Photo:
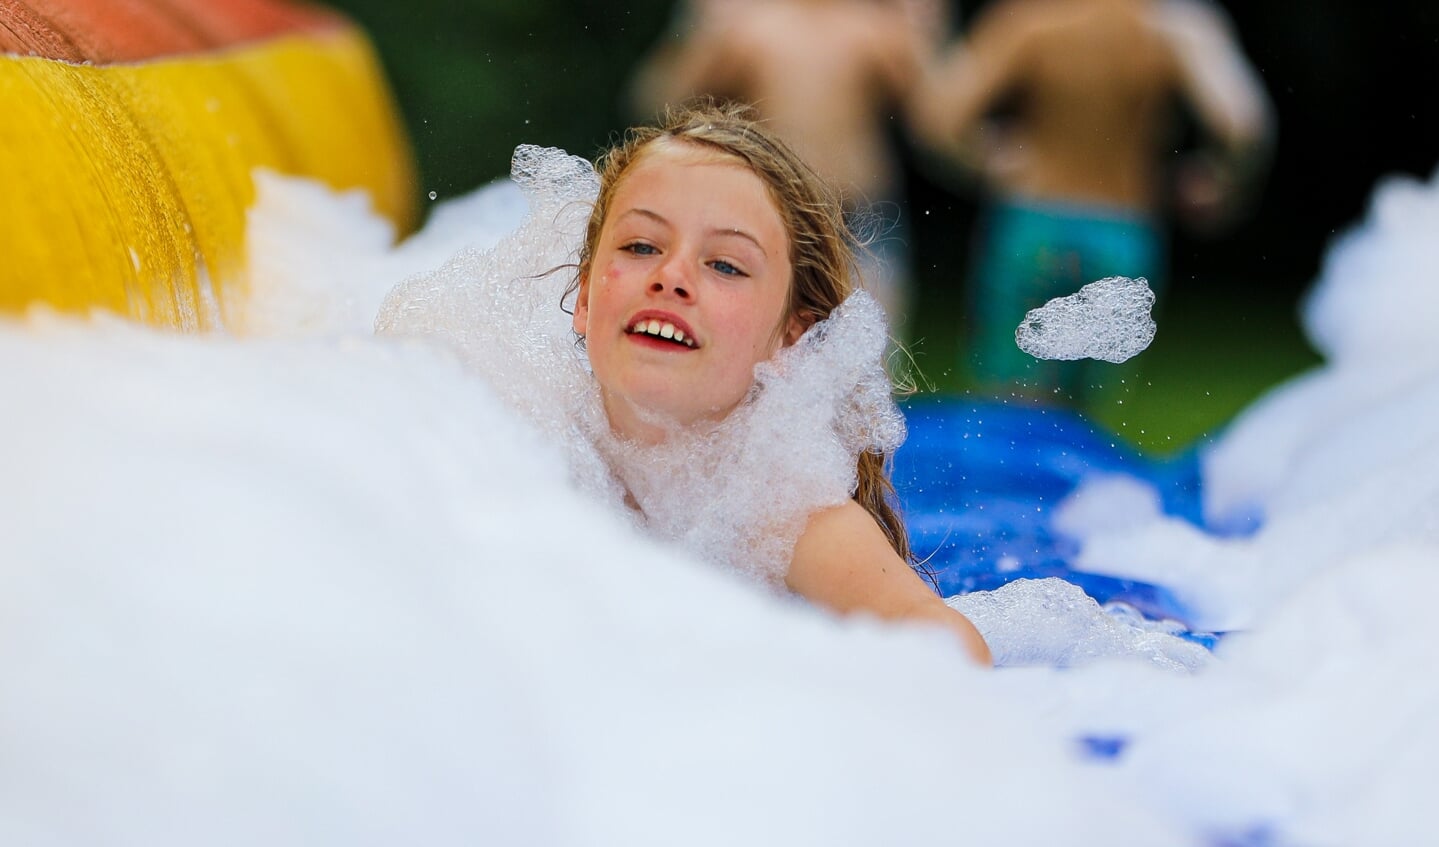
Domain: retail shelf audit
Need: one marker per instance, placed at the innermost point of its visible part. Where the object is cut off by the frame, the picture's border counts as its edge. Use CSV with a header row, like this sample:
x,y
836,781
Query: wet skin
x,y
694,247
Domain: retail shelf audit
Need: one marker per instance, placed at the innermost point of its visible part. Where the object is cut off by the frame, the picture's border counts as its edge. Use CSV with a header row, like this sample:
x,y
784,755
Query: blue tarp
x,y
979,480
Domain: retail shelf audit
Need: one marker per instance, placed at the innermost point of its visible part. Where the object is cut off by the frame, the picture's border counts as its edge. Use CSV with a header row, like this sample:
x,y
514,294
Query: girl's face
x,y
686,291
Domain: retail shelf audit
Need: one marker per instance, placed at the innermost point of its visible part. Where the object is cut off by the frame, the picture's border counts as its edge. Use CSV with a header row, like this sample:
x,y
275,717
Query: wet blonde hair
x,y
822,248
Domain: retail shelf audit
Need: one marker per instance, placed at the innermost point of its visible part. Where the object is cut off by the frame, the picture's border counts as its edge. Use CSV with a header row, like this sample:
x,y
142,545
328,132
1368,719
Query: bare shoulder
x,y
844,562
1010,35
841,527
848,516
1015,18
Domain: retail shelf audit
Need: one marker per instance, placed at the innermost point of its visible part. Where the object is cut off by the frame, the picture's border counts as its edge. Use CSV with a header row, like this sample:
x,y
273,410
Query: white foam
x,y
1107,320
334,591
1371,314
1336,668
330,588
1107,503
1375,298
1054,623
498,307
321,262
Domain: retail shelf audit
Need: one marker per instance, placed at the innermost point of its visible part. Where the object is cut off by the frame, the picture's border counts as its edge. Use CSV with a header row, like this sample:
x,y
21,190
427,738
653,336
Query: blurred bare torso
x,y
826,75
1094,84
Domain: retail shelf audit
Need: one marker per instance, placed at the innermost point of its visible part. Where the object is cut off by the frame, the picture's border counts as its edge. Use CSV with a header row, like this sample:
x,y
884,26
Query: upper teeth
x,y
663,329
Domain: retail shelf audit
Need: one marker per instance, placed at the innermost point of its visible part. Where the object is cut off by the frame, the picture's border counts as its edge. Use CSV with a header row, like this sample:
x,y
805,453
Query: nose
x,y
672,277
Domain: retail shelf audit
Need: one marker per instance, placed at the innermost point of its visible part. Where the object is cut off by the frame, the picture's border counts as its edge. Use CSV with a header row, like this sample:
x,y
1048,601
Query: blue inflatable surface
x,y
978,482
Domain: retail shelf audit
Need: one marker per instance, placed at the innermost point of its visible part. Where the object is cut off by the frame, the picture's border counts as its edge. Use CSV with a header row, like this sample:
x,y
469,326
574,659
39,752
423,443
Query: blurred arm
x,y
696,57
844,562
959,88
907,46
1228,99
1219,82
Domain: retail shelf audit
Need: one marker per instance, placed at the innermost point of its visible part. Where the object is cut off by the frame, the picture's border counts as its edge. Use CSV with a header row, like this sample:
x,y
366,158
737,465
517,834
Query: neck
x,y
639,425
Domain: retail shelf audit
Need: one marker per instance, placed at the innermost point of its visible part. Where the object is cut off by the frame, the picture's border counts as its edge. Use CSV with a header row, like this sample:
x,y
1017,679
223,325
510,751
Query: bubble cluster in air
x,y
1107,320
736,493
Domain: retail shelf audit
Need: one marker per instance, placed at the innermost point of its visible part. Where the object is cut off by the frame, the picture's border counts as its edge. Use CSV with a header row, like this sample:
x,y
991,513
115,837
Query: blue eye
x,y
726,268
639,248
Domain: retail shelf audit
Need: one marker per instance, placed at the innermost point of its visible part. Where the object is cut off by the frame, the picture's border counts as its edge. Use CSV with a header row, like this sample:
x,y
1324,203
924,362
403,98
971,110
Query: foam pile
x,y
1053,623
327,588
335,591
1370,406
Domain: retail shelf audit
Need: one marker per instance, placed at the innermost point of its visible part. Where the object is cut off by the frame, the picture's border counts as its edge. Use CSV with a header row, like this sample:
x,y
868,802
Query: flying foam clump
x,y
1107,320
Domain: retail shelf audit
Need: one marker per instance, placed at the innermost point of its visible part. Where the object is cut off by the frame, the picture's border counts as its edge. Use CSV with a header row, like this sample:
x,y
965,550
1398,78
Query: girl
x,y
711,251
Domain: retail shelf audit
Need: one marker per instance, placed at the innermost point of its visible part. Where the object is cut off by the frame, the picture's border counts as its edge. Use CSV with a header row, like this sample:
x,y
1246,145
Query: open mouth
x,y
662,330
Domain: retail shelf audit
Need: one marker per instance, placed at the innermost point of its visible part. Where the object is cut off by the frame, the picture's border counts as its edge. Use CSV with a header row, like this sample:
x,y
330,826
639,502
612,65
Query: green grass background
x,y
1213,354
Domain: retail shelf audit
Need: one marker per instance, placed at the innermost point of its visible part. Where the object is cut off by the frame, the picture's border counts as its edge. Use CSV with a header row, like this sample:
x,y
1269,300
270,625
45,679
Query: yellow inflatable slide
x,y
131,129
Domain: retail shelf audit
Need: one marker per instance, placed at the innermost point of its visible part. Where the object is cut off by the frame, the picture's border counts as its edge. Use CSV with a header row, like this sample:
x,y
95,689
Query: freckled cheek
x,y
603,281
603,294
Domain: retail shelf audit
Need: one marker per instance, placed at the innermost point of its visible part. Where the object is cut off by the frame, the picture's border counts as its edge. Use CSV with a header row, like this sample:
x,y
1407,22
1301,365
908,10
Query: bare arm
x,y
908,41
1218,81
1230,102
843,562
971,77
698,61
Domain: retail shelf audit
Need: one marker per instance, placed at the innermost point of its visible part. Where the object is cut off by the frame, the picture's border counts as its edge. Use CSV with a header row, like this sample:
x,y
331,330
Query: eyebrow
x,y
734,231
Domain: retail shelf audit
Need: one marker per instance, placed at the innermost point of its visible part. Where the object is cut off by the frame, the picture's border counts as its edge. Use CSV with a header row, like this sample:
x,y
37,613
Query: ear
x,y
794,328
581,322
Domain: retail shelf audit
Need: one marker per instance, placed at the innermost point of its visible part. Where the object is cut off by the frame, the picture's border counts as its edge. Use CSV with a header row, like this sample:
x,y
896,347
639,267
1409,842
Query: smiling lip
x,y
662,327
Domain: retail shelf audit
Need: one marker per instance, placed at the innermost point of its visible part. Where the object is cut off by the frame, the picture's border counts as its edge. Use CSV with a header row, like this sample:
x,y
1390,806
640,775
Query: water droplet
x,y
433,195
